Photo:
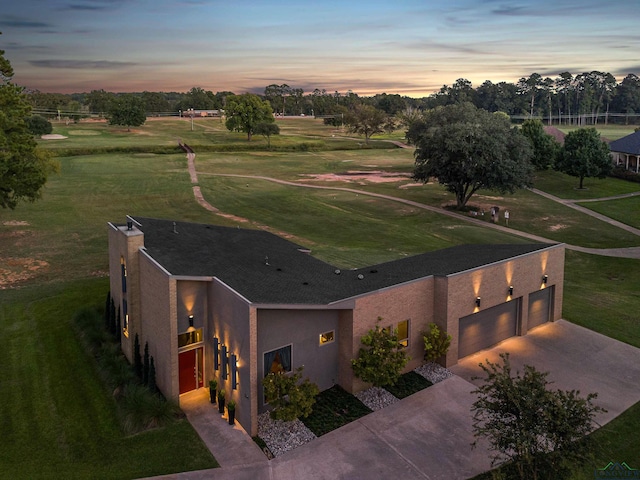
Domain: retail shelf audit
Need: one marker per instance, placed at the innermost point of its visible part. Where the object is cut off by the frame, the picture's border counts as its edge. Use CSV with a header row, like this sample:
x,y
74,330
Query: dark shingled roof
x,y
265,268
629,144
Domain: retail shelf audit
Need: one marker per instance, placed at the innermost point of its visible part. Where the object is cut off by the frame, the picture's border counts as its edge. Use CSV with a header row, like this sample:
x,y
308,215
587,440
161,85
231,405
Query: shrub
x,y
436,343
381,359
289,399
38,125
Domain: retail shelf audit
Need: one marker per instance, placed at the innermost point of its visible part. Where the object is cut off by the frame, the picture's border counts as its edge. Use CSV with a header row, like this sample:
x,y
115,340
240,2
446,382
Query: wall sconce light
x,y
191,328
478,302
234,371
510,290
545,278
223,357
216,352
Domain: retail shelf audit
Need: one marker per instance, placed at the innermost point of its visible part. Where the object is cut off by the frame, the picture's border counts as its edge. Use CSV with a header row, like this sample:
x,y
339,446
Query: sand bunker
x,y
53,136
359,176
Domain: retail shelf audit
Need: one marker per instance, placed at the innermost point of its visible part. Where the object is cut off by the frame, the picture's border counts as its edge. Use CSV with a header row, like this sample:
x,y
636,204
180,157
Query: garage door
x,y
539,307
487,327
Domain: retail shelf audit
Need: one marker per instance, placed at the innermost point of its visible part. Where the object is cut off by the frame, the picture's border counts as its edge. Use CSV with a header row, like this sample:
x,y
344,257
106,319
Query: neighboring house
x,y
625,152
557,134
234,304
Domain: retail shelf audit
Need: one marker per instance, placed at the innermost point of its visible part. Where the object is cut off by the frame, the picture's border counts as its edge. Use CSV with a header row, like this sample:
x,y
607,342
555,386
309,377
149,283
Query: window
x,y
278,360
125,315
189,338
403,333
123,274
327,337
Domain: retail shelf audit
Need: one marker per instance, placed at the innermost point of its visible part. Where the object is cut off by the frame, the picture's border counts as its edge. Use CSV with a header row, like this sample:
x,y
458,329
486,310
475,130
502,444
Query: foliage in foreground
x,y
540,432
24,167
381,358
289,397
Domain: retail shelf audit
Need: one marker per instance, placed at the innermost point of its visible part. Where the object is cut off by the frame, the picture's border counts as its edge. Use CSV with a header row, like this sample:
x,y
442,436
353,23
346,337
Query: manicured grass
x,y
408,384
55,406
333,409
603,294
625,210
610,132
565,186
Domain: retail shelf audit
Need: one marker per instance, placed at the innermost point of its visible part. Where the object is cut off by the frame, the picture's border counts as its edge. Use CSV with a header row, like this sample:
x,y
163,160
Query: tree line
x,y
587,98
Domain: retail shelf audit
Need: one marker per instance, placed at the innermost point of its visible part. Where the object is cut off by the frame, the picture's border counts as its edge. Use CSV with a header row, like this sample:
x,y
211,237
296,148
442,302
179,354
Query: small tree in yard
x,y
436,343
266,129
381,359
289,398
540,432
366,120
584,155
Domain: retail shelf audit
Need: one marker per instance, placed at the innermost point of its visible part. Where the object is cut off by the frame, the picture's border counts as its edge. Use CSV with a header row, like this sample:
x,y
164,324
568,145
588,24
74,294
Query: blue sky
x,y
408,47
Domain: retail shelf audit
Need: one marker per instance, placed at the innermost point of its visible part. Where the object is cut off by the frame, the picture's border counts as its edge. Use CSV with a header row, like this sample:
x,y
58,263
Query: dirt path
x,y
631,252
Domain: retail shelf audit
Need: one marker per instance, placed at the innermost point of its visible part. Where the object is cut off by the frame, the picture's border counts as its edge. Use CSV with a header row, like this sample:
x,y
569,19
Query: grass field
x,y
53,259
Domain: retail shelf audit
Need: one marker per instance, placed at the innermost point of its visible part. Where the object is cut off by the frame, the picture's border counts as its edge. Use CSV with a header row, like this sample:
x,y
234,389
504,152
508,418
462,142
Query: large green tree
x,y
541,432
23,167
545,147
584,155
127,110
244,113
467,149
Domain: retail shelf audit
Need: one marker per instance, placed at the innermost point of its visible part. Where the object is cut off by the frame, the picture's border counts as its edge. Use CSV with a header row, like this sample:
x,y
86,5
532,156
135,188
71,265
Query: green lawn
x,y
625,210
57,419
51,401
610,132
565,186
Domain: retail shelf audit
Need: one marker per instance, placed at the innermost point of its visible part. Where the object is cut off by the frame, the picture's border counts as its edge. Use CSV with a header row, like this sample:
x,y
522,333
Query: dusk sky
x,y
410,47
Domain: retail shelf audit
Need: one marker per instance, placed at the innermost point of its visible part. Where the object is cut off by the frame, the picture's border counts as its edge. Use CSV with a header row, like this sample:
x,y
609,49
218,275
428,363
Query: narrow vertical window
x,y
123,274
403,333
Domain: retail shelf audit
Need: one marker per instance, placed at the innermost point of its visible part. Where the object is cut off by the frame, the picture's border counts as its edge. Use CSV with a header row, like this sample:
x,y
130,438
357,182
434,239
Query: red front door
x,y
191,369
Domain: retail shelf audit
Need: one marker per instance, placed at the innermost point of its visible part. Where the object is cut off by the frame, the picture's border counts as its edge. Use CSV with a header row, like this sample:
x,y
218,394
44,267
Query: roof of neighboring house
x,y
629,144
265,268
556,133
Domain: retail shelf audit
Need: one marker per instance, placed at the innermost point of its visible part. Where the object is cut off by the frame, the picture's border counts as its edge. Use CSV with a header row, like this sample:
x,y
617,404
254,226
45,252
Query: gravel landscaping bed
x,y
281,436
433,372
376,398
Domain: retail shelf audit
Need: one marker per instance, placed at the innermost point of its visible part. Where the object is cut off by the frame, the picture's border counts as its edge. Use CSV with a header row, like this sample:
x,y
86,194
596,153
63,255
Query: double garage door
x,y
486,328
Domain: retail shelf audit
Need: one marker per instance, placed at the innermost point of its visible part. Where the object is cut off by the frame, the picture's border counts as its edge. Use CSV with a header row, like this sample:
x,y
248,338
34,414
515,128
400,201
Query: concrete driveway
x,y
428,435
576,359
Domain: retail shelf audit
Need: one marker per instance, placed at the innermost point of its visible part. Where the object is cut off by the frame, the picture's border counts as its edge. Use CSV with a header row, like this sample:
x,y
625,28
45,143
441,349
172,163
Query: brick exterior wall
x,y
126,244
413,301
159,324
491,283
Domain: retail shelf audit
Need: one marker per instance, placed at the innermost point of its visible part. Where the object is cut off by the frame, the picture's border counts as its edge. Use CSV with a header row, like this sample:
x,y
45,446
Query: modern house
x,y
233,304
625,152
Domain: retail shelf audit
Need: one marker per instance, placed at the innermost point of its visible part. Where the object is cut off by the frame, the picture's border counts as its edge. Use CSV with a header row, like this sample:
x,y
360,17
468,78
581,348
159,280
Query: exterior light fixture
x,y
510,290
216,352
225,360
191,328
234,371
545,278
478,302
